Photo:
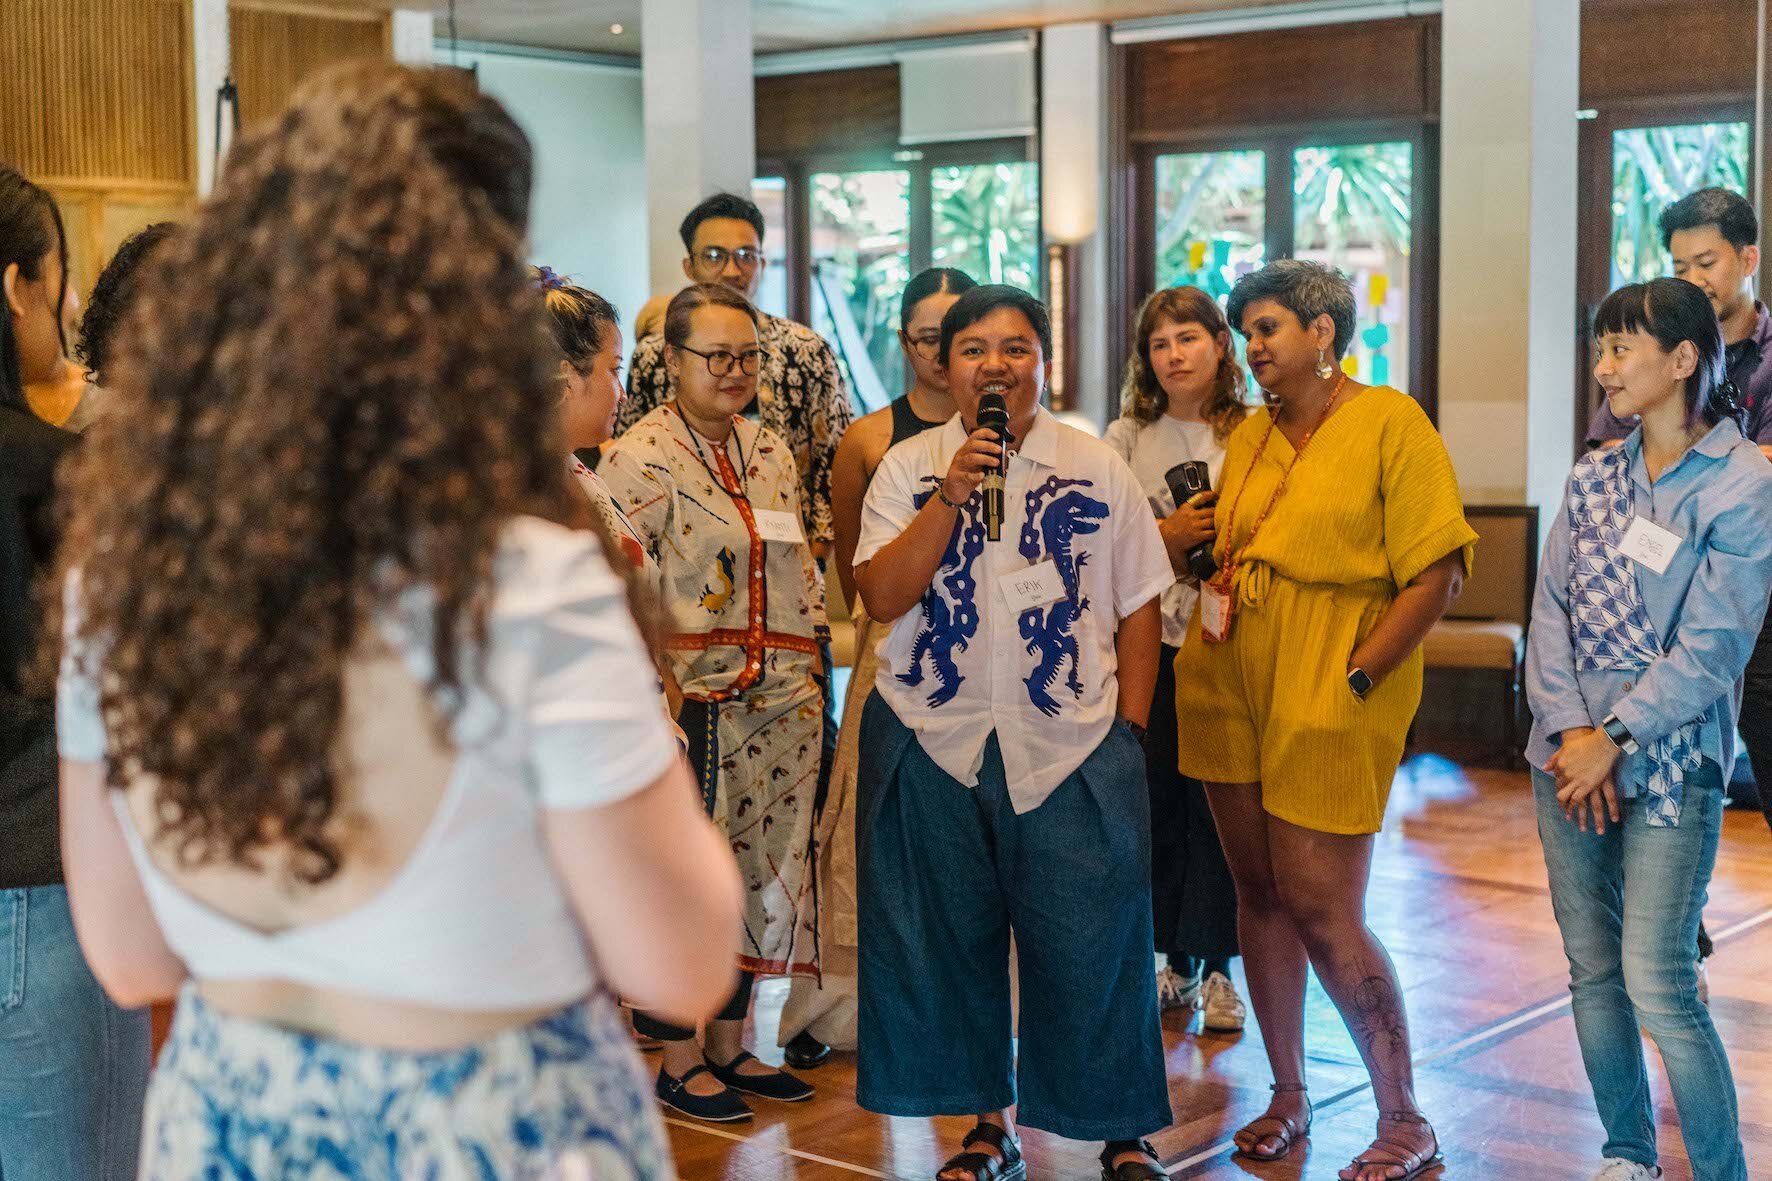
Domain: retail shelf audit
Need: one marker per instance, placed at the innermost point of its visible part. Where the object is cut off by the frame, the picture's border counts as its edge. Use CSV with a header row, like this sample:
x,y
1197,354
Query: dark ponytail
x,y
934,281
1674,311
30,227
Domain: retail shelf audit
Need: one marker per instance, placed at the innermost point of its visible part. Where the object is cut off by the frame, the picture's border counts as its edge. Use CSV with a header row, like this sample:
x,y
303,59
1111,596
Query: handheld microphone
x,y
993,414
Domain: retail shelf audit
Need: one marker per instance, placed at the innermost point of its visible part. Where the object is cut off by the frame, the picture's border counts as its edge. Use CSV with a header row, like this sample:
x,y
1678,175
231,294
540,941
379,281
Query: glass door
x,y
1211,218
1352,208
985,220
1652,167
860,236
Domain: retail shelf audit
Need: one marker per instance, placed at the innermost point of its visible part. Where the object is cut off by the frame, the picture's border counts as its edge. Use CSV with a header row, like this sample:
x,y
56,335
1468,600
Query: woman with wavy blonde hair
x,y
1183,397
361,749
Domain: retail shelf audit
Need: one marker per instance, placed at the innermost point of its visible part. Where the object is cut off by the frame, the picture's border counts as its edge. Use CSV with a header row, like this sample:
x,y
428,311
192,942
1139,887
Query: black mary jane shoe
x,y
805,1052
779,1085
722,1107
982,1165
1132,1170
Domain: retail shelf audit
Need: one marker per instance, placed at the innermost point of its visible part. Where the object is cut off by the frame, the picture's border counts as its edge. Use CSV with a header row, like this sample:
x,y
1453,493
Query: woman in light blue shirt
x,y
1653,585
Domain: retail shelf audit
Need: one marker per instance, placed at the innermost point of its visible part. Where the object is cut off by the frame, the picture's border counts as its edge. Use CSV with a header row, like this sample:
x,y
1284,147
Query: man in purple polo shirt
x,y
1714,236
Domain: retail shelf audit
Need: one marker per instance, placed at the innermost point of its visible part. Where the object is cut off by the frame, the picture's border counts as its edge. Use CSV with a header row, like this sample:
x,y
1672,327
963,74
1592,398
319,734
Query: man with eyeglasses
x,y
800,391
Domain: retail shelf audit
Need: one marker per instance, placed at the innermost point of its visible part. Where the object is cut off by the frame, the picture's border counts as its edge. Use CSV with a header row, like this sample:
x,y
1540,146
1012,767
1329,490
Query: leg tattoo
x,y
1381,1032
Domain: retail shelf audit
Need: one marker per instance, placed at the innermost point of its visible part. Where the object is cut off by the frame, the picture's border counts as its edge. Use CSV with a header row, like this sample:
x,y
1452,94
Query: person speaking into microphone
x,y
1017,568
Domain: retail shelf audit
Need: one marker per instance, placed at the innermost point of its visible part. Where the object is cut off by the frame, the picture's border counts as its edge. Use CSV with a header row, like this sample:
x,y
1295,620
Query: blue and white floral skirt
x,y
562,1099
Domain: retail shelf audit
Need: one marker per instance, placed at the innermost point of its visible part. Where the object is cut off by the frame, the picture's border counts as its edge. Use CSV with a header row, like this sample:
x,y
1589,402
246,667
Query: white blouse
x,y
566,715
1151,449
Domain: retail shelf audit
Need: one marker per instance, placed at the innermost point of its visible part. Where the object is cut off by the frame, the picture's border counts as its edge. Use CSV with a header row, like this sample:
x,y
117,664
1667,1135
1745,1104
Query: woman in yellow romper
x,y
1341,541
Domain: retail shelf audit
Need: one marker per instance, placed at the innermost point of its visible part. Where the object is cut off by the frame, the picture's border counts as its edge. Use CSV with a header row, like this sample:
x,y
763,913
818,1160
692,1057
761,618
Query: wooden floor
x,y
1459,897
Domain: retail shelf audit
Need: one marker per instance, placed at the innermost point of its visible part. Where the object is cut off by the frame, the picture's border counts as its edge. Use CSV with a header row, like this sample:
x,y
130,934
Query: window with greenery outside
x,y
1652,167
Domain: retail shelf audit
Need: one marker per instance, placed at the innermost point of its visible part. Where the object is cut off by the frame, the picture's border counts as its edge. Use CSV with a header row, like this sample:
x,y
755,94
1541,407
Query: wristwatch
x,y
1138,731
1620,734
1360,683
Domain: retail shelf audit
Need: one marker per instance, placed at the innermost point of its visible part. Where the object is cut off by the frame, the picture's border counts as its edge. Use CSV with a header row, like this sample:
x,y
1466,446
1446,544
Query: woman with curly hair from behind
x,y
362,756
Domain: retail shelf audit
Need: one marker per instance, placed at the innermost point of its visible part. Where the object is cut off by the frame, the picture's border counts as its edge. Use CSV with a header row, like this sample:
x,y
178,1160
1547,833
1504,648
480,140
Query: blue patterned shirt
x,y
1701,614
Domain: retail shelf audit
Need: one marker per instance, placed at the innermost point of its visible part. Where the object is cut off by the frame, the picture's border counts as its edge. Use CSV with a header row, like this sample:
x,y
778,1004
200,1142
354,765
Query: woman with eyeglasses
x,y
716,499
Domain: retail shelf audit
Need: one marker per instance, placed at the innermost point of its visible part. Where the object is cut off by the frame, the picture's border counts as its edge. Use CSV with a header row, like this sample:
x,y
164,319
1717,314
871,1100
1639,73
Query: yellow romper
x,y
1372,504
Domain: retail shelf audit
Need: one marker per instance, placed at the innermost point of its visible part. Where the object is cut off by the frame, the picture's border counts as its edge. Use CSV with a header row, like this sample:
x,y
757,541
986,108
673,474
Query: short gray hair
x,y
1306,289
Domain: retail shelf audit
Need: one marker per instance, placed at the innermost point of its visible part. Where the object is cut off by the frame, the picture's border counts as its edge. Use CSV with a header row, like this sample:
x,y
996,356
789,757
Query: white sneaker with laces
x,y
1626,1170
1224,1008
1175,991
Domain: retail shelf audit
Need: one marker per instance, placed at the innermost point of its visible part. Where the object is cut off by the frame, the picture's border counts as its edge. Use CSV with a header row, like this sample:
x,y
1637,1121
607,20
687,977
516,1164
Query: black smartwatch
x,y
1360,683
1138,731
1620,734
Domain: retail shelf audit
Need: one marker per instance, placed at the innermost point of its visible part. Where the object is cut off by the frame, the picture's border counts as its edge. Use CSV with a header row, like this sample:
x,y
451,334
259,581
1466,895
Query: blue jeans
x,y
1628,904
73,1066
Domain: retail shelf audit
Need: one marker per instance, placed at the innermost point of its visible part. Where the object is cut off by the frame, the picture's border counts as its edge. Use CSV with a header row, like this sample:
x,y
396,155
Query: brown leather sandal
x,y
1395,1154
1279,1128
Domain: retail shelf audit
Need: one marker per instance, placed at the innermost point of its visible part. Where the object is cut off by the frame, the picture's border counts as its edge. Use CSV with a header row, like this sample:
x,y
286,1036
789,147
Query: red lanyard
x,y
1236,560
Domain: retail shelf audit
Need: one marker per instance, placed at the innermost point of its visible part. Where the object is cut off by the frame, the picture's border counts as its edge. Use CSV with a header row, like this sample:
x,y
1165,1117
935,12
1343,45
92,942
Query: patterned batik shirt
x,y
800,396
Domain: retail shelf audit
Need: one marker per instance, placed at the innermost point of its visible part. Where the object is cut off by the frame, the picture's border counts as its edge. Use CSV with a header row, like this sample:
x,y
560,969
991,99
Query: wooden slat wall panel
x,y
272,51
1352,72
1637,51
97,89
840,111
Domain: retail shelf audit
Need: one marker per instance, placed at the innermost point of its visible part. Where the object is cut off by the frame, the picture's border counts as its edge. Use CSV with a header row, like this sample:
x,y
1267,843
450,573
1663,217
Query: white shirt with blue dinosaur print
x,y
962,662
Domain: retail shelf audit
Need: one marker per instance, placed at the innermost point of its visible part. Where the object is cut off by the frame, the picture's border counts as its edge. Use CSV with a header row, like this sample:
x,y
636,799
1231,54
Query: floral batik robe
x,y
744,620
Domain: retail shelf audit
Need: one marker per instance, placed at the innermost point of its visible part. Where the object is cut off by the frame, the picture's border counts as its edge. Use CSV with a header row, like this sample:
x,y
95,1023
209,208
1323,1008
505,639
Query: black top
x,y
29,851
905,422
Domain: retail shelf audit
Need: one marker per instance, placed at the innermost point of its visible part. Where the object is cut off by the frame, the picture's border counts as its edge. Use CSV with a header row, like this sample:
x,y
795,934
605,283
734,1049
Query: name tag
x,y
775,525
1215,613
1033,587
1648,544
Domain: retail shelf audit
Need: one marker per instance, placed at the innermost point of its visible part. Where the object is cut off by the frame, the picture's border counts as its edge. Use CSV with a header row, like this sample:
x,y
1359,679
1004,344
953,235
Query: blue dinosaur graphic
x,y
951,620
1050,634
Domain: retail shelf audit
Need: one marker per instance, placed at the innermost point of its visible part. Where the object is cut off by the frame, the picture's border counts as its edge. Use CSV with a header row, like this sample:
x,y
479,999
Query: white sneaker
x,y
1224,1008
1626,1170
1703,984
1175,991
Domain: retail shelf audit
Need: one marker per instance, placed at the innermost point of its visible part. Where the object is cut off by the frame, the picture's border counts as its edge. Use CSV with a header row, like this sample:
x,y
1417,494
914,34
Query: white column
x,y
209,58
411,36
1073,182
700,117
1507,298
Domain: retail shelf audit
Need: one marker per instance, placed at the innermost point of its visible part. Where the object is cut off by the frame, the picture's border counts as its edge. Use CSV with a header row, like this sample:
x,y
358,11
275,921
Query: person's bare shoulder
x,y
866,440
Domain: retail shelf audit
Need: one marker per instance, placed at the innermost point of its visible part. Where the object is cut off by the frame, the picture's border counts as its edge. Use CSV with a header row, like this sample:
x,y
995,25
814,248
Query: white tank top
x,y
565,716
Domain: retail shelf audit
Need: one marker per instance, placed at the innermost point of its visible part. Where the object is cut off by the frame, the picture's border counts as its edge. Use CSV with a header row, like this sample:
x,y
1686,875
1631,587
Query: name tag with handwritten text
x,y
1648,544
775,525
1032,587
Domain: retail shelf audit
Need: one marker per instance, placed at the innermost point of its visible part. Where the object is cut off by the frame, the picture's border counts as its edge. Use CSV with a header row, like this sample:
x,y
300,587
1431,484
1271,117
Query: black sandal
x,y
982,1165
1287,1132
1132,1170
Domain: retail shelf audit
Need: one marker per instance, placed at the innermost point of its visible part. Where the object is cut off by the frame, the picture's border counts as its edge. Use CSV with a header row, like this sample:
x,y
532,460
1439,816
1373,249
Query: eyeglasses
x,y
714,258
926,347
720,361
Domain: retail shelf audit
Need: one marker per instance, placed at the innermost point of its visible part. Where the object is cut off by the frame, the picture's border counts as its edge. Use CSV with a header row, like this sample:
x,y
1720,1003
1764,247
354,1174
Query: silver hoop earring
x,y
1324,369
